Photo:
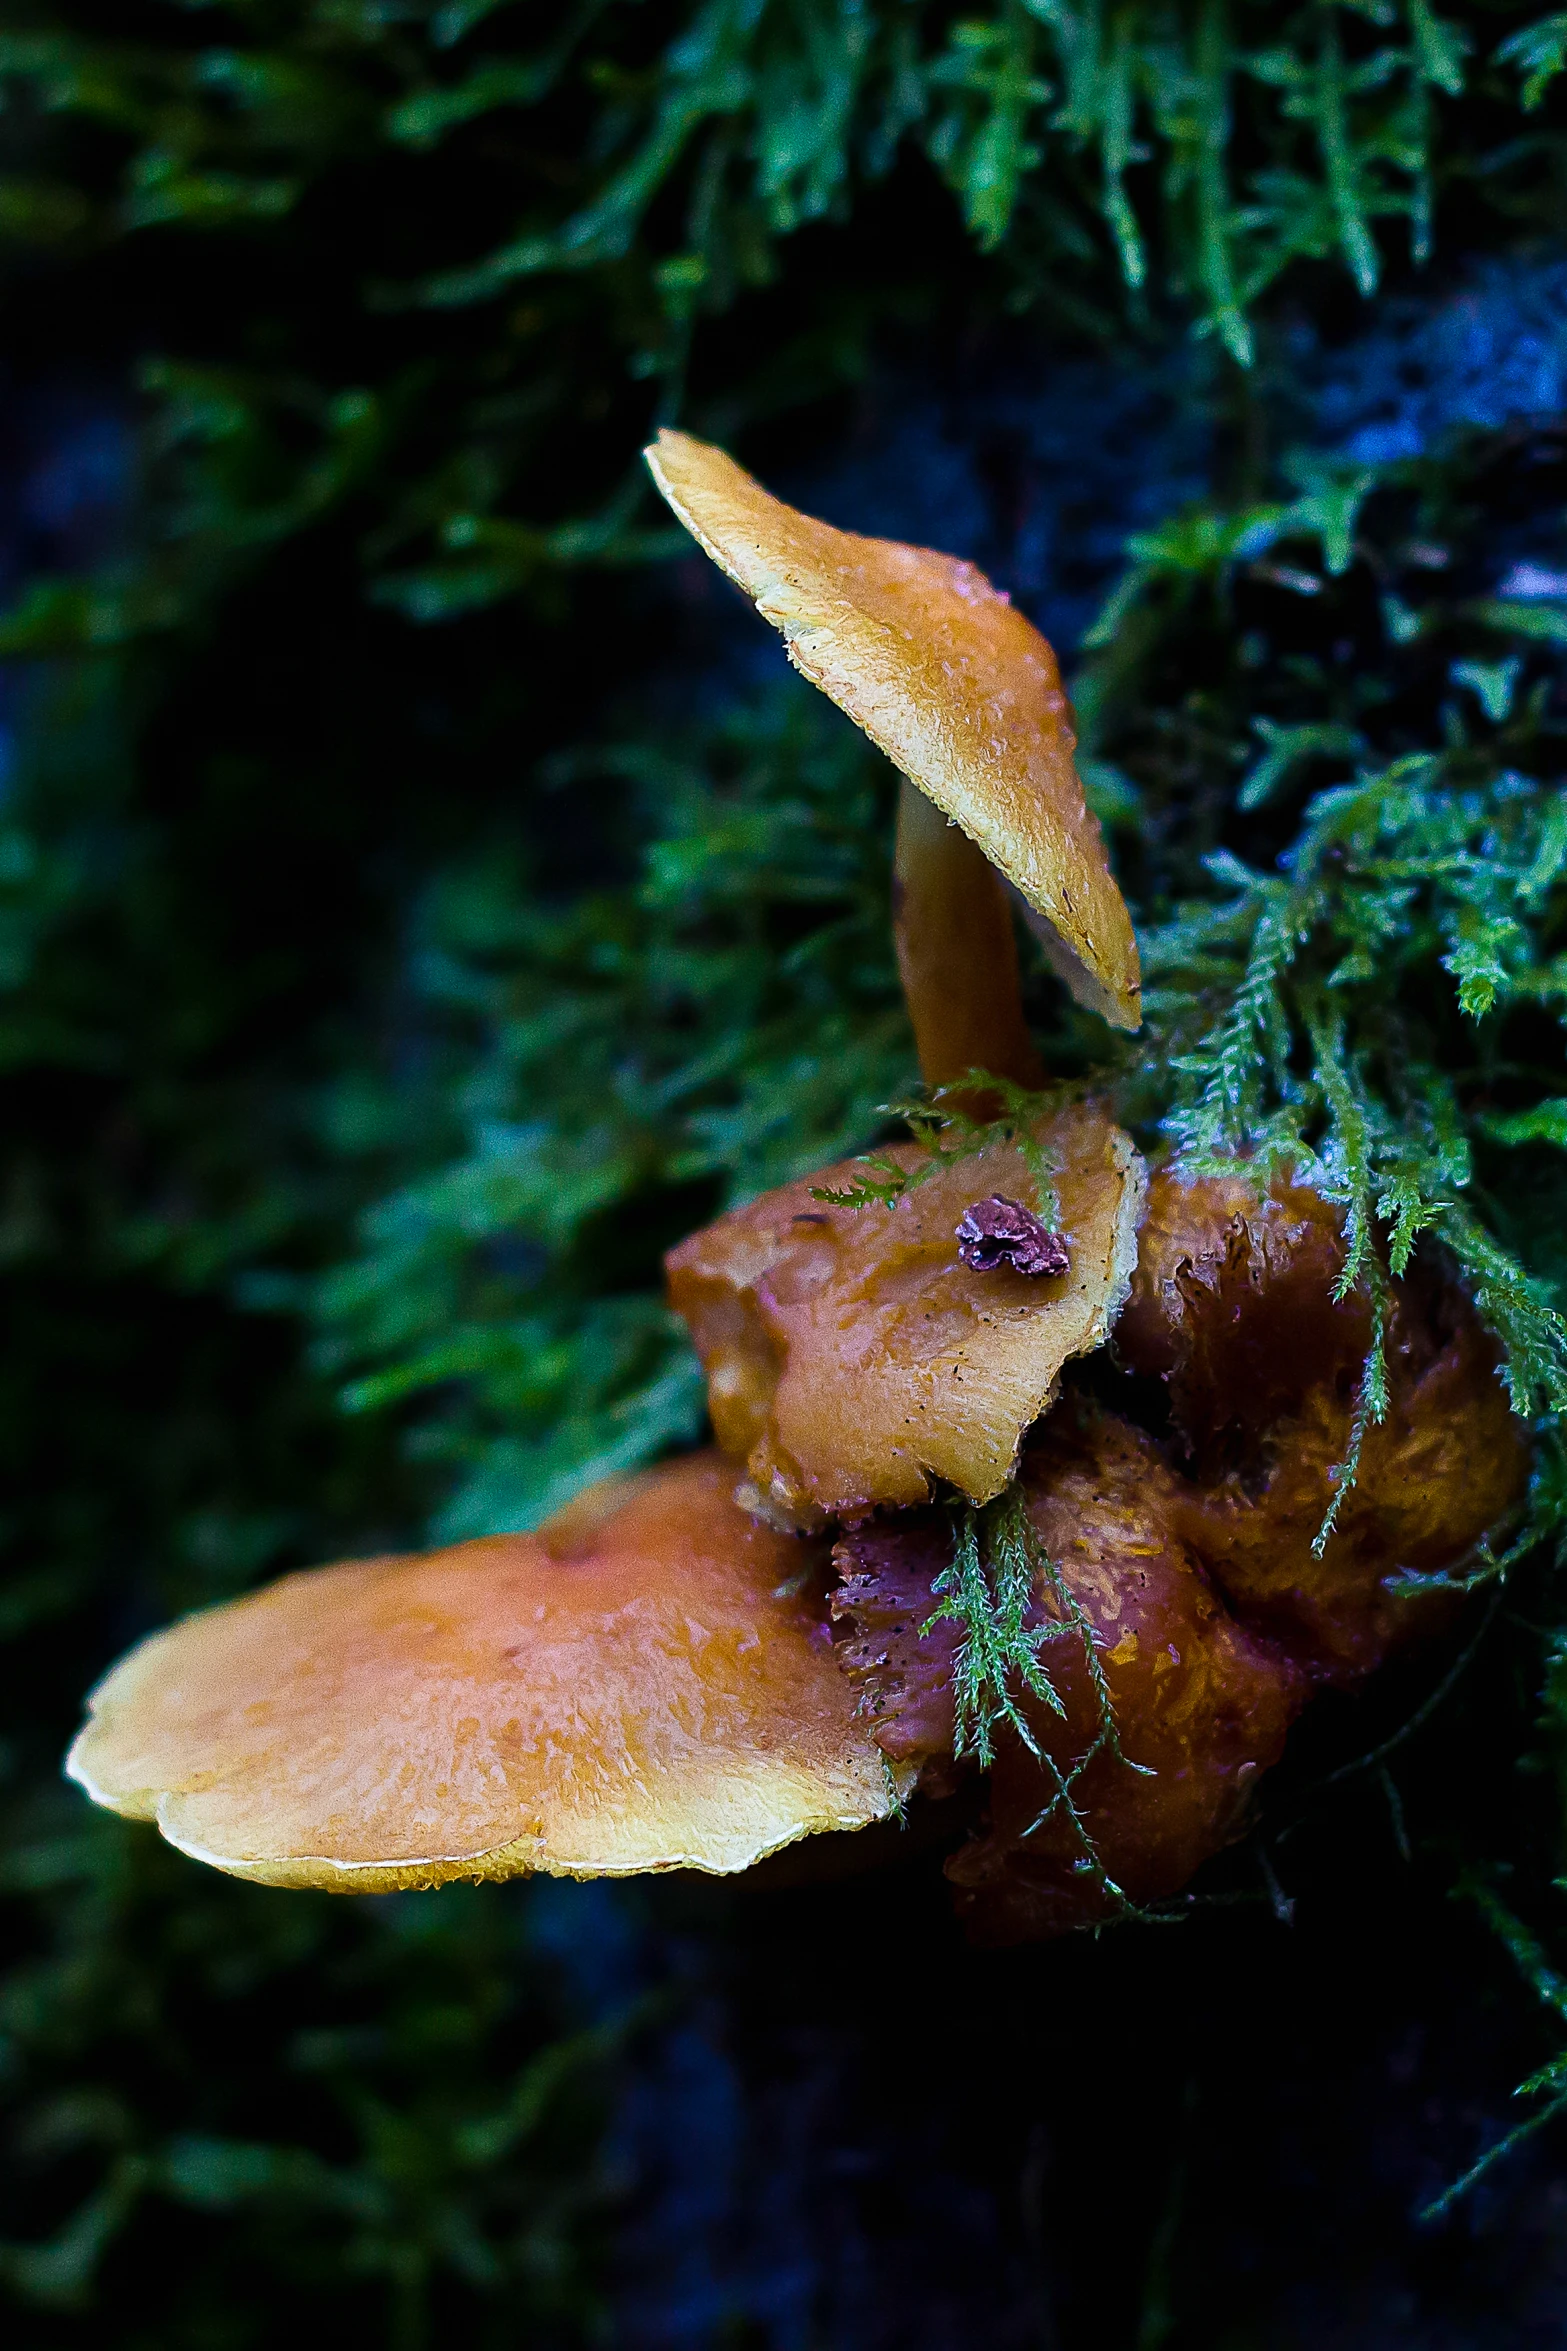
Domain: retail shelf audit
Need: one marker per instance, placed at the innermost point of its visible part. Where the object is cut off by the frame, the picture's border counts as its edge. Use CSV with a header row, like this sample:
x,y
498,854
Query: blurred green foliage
x,y
378,998
239,2107
612,1070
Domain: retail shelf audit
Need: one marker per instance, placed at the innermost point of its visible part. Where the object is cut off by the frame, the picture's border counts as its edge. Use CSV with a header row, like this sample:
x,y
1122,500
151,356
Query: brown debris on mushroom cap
x,y
852,1356
961,692
1232,1305
631,1688
1199,1701
996,1232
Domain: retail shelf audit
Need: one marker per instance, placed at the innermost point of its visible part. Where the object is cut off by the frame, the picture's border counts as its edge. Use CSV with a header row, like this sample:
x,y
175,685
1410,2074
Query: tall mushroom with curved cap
x,y
964,695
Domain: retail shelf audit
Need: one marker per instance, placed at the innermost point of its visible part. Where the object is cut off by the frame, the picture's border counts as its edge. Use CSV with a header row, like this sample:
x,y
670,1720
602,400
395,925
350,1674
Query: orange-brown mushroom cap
x,y
961,692
634,1687
852,1357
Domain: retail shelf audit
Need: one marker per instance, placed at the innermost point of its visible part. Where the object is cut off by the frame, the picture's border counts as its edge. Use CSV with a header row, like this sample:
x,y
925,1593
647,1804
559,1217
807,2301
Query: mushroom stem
x,y
957,952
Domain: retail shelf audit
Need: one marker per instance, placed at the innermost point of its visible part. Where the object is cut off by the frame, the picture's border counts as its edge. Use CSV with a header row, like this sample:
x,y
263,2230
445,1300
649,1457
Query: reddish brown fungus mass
x,y
1200,1703
1191,1561
881,1609
1232,1306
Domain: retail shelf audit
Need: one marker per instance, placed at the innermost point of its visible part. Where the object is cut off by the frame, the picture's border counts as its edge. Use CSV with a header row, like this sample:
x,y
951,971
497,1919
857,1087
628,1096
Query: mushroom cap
x,y
939,669
852,1356
633,1687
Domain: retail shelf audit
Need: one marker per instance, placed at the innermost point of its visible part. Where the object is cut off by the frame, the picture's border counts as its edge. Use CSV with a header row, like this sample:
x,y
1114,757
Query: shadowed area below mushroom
x,y
639,1686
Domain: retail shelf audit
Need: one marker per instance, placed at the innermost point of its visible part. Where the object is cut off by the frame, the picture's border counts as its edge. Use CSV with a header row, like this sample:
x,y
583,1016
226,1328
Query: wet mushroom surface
x,y
1189,1613
854,1355
1232,1307
659,1679
644,1684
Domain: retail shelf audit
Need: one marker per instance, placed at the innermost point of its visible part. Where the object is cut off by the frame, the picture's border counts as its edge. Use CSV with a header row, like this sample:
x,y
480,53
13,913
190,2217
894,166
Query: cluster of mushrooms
x,y
694,1667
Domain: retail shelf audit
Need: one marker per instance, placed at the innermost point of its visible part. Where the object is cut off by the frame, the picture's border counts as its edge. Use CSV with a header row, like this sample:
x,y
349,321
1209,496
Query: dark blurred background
x,y
424,895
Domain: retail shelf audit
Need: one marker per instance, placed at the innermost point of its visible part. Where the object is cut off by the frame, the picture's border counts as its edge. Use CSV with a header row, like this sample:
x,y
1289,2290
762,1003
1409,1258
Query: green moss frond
x,y
988,1589
1012,1602
1550,2082
948,1134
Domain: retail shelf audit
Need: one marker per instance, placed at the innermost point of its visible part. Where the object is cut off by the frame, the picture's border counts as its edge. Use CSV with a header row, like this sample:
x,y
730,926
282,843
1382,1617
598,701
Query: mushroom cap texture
x,y
852,1356
955,685
633,1687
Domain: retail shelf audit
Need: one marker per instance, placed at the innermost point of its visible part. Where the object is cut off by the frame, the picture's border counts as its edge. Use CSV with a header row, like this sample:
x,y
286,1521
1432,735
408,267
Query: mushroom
x,y
949,1353
1169,1709
964,695
1210,1614
643,1684
854,1355
1234,1306
648,1682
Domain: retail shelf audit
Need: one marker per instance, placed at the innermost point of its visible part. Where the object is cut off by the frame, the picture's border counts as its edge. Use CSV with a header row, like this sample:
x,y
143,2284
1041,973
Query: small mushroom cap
x,y
961,692
852,1356
634,1687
